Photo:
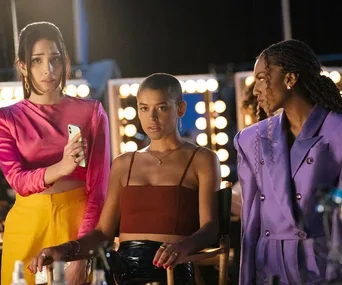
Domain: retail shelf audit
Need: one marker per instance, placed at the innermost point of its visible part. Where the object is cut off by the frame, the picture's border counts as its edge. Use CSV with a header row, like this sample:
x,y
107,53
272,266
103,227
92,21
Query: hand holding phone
x,y
74,130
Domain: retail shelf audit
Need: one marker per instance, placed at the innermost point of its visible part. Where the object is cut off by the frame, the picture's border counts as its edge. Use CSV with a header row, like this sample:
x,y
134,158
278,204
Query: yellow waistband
x,y
56,198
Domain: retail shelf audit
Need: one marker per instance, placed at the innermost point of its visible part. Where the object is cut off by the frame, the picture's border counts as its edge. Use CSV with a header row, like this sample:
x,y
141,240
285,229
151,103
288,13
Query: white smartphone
x,y
73,130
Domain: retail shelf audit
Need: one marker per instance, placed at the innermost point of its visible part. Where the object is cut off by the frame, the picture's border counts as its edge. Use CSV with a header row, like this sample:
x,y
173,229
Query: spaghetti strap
x,y
188,165
130,168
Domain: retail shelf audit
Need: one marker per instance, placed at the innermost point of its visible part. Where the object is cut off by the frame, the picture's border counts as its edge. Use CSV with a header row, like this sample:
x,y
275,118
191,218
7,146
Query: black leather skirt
x,y
132,265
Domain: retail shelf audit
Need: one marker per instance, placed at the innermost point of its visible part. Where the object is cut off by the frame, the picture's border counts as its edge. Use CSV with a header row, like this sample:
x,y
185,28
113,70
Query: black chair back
x,y
224,207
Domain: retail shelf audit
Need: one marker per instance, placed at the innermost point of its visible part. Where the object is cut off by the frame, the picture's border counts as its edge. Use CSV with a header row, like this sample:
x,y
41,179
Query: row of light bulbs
x,y
17,93
219,122
11,93
130,113
218,106
334,75
81,90
188,86
220,138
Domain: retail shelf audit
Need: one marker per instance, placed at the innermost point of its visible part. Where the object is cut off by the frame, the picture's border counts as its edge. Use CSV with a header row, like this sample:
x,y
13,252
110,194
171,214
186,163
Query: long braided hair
x,y
294,56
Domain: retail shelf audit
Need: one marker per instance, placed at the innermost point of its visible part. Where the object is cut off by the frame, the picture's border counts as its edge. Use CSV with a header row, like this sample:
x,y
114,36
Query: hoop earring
x,y
26,85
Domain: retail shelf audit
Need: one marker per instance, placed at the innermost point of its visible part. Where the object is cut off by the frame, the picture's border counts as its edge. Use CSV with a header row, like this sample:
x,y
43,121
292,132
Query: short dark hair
x,y
164,82
294,56
28,36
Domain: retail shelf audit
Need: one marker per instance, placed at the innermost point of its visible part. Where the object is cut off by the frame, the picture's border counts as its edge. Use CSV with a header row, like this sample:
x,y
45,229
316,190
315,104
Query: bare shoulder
x,y
121,163
205,153
206,167
205,158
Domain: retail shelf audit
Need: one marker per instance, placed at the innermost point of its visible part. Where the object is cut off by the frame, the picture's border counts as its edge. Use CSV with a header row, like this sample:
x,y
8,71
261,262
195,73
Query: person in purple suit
x,y
282,162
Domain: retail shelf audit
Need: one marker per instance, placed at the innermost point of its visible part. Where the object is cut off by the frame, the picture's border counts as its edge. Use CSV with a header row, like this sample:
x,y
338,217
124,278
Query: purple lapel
x,y
307,137
279,169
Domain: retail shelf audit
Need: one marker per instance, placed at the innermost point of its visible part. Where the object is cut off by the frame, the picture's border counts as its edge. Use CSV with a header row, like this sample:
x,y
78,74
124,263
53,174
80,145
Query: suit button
x,y
262,162
298,196
262,197
267,233
309,160
302,235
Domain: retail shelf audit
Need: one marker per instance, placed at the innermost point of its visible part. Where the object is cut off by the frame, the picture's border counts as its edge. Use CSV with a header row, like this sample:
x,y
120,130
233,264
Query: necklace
x,y
160,159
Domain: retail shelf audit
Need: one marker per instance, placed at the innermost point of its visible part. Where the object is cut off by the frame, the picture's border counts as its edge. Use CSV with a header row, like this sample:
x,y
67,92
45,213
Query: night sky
x,y
180,37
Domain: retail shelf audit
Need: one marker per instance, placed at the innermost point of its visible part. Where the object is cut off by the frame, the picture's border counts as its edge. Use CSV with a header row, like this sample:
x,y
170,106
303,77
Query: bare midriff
x,y
63,186
153,237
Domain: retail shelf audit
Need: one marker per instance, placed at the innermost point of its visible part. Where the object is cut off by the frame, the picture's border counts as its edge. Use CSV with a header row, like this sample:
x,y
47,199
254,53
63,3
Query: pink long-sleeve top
x,y
33,136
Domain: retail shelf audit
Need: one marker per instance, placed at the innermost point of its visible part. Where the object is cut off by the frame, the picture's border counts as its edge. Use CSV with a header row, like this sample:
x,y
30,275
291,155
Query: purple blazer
x,y
282,233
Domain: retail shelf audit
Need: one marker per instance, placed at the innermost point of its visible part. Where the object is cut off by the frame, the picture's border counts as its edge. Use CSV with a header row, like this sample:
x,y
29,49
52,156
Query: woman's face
x,y
46,66
271,96
158,113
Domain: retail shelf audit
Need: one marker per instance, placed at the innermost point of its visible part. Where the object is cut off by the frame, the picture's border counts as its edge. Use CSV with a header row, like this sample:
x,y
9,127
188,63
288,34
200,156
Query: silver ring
x,y
43,255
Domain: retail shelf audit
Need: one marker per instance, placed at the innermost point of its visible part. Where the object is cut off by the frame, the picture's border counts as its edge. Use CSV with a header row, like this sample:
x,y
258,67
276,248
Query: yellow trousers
x,y
38,221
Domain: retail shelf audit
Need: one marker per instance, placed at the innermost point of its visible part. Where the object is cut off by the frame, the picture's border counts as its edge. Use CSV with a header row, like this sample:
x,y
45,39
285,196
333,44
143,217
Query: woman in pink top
x,y
56,199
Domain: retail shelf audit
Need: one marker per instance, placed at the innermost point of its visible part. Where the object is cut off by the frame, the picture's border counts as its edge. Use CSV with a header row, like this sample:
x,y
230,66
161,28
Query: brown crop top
x,y
151,209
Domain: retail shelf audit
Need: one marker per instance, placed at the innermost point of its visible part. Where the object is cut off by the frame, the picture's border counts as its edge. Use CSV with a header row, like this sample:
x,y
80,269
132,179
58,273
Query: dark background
x,y
180,37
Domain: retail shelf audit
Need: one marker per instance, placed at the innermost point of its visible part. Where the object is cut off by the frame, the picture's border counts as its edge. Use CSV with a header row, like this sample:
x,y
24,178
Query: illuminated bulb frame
x,y
14,84
114,102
